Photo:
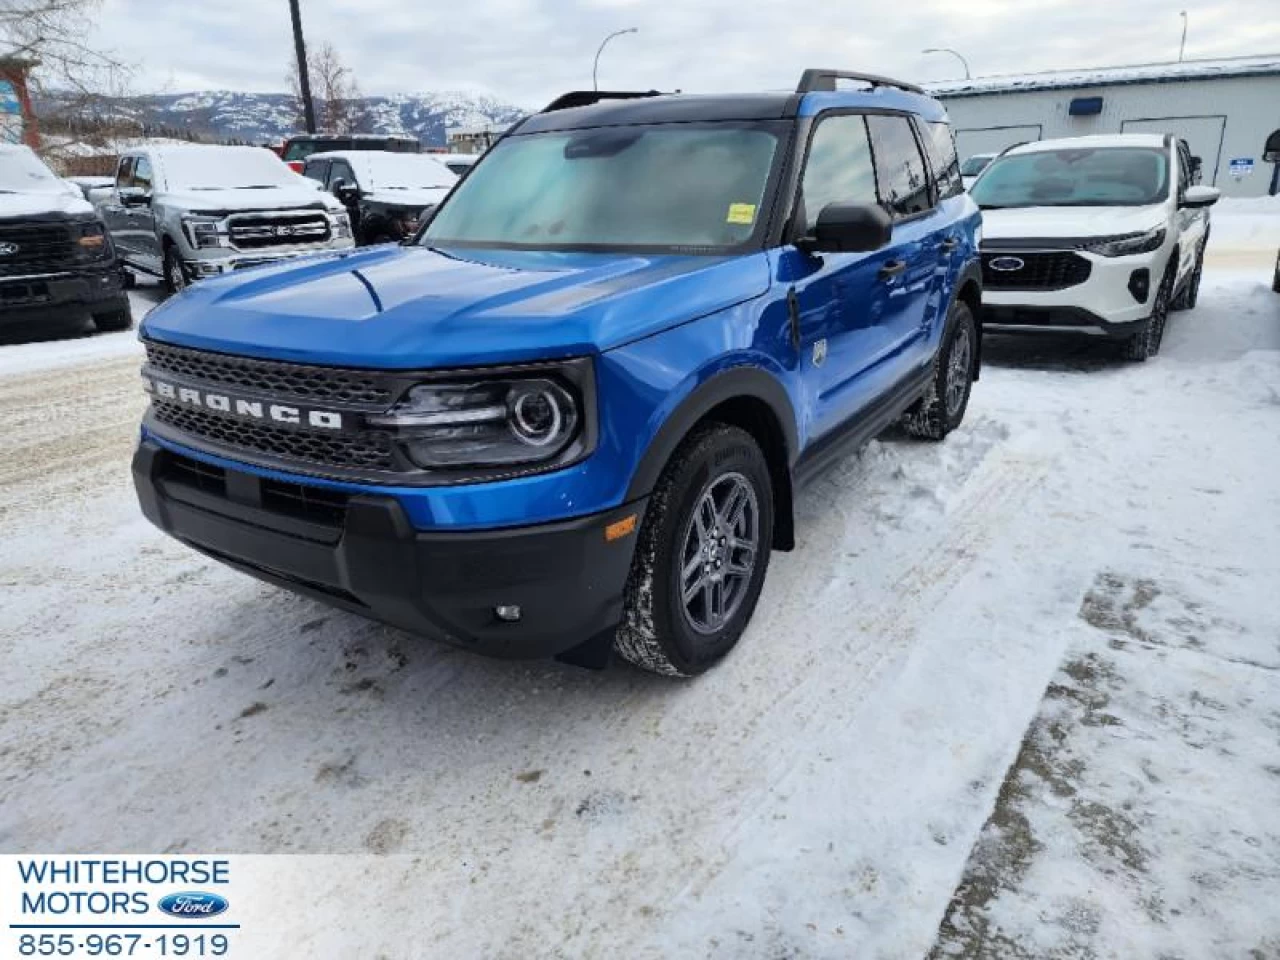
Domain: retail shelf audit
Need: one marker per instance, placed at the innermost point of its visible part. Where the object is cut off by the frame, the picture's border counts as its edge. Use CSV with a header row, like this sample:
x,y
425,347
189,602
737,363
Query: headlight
x,y
341,226
494,423
203,232
1129,244
91,240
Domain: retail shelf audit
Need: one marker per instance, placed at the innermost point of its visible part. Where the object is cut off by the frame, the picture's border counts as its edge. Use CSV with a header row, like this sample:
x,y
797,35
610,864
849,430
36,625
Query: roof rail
x,y
813,80
584,98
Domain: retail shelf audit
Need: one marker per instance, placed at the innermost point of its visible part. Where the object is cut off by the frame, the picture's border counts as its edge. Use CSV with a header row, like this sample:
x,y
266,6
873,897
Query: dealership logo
x,y
1007,264
193,906
8,249
249,409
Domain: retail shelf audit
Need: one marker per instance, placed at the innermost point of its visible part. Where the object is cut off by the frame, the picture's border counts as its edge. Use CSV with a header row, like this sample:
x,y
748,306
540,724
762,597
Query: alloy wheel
x,y
959,368
718,553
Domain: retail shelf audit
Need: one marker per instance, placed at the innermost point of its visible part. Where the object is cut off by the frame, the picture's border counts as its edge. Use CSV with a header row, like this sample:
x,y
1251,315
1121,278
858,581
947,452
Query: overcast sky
x,y
527,51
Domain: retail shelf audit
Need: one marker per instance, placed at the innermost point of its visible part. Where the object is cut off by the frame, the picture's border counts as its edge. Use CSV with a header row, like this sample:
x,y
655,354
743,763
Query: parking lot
x,y
1017,694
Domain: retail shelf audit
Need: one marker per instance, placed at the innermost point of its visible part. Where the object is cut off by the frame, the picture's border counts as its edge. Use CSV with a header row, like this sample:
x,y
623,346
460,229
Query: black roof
x,y
671,108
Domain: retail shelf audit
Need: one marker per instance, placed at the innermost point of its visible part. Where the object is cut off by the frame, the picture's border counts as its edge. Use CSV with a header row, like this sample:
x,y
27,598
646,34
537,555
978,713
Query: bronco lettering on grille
x,y
238,407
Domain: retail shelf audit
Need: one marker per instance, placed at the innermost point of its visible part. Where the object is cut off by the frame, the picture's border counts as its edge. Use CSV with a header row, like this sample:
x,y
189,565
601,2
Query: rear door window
x,y
839,168
944,160
900,169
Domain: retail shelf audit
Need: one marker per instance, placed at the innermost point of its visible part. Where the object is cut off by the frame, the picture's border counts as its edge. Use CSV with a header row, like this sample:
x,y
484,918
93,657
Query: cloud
x,y
528,51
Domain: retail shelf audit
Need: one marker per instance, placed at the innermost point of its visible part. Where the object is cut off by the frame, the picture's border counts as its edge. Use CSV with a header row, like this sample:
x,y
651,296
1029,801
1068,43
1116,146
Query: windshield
x,y
1102,177
22,172
403,171
225,168
690,188
975,165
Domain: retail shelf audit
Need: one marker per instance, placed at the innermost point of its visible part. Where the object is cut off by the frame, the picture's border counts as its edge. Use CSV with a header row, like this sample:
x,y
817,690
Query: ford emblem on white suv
x,y
1007,264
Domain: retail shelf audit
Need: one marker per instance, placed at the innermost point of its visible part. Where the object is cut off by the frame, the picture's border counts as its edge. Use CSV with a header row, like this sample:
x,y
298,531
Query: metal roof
x,y
1186,71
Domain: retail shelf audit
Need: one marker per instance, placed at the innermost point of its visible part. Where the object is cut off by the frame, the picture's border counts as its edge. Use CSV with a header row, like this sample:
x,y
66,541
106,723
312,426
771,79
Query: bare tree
x,y
53,32
333,84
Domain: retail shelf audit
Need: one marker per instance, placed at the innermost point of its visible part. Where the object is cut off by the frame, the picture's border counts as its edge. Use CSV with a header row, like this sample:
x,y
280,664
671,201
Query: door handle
x,y
892,268
949,244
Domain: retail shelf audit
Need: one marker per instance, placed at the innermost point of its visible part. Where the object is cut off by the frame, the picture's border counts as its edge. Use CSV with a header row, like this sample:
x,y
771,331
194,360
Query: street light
x,y
1183,46
595,69
954,54
304,75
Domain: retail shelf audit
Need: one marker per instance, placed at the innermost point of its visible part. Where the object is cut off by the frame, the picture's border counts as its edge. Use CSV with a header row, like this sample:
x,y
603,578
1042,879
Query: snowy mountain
x,y
259,117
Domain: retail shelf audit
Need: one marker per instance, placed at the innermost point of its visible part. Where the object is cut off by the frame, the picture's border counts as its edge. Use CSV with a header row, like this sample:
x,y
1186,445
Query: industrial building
x,y
1226,110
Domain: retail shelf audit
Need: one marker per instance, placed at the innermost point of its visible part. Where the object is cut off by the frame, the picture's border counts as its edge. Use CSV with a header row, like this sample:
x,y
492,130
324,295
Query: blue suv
x,y
571,414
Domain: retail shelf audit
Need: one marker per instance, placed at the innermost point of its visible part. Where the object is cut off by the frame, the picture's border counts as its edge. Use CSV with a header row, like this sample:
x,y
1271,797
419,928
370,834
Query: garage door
x,y
1203,135
993,139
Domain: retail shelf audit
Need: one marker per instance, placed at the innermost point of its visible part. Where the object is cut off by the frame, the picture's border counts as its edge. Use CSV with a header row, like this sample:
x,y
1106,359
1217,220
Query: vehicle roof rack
x,y
584,98
813,80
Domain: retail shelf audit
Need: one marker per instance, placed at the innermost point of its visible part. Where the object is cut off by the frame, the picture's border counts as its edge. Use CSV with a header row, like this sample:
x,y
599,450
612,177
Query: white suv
x,y
1100,235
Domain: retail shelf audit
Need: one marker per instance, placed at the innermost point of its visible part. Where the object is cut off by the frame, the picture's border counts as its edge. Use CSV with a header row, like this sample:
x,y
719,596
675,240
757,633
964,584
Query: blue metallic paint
x,y
658,328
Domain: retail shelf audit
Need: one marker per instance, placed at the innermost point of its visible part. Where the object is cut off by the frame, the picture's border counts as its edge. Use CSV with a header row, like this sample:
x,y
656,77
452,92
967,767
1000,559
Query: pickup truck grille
x,y
35,247
1034,270
292,380
257,231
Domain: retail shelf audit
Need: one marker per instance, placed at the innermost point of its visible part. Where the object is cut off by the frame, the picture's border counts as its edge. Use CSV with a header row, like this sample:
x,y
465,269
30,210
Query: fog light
x,y
1140,284
507,613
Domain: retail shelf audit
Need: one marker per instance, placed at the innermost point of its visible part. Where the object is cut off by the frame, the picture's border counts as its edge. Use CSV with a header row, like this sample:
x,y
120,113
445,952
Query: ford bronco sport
x,y
571,413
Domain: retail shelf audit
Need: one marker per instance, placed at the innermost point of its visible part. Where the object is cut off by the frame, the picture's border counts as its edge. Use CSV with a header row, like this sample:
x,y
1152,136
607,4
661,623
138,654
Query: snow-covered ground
x,y
1015,695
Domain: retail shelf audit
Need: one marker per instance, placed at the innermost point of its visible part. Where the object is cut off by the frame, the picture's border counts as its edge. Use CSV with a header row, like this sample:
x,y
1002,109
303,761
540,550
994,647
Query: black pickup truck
x,y
57,264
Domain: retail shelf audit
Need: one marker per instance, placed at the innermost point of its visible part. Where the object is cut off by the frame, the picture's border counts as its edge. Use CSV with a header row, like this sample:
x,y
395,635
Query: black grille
x,y
1039,270
271,378
35,247
370,450
255,231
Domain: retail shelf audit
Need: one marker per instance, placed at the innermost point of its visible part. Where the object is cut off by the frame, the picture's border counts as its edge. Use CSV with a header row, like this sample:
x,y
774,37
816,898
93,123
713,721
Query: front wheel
x,y
175,274
942,408
702,555
1146,342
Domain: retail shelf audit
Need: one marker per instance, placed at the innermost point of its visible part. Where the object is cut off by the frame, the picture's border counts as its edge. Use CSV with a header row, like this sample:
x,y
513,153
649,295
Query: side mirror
x,y
344,191
134,197
849,228
1197,197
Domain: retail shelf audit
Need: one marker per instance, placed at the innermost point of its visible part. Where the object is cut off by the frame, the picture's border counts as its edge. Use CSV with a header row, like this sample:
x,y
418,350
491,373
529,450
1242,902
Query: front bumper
x,y
72,296
1104,304
359,552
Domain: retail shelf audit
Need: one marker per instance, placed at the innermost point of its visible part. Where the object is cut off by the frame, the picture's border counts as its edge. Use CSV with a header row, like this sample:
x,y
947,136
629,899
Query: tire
x,y
115,321
1146,342
175,274
720,469
1189,294
127,278
942,408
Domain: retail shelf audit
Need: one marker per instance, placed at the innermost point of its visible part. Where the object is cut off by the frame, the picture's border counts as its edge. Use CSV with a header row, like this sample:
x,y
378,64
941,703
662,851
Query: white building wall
x,y
1222,119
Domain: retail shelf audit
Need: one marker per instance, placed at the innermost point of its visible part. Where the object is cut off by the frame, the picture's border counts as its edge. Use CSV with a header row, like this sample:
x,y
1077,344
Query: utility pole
x,y
1183,47
304,75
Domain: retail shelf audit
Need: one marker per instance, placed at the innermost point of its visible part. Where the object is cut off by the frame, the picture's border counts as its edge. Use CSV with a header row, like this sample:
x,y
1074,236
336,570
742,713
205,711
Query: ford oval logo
x,y
194,905
1006,264
8,249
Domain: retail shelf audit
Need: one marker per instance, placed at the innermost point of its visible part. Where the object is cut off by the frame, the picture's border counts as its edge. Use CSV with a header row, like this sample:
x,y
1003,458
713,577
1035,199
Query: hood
x,y
416,197
57,201
264,198
1055,223
406,307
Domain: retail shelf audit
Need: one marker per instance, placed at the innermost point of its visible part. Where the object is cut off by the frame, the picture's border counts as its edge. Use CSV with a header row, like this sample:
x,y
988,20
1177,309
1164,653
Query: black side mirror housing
x,y
849,228
344,191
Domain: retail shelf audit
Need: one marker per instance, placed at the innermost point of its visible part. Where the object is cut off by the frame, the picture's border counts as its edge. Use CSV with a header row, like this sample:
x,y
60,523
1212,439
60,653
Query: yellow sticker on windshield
x,y
742,213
